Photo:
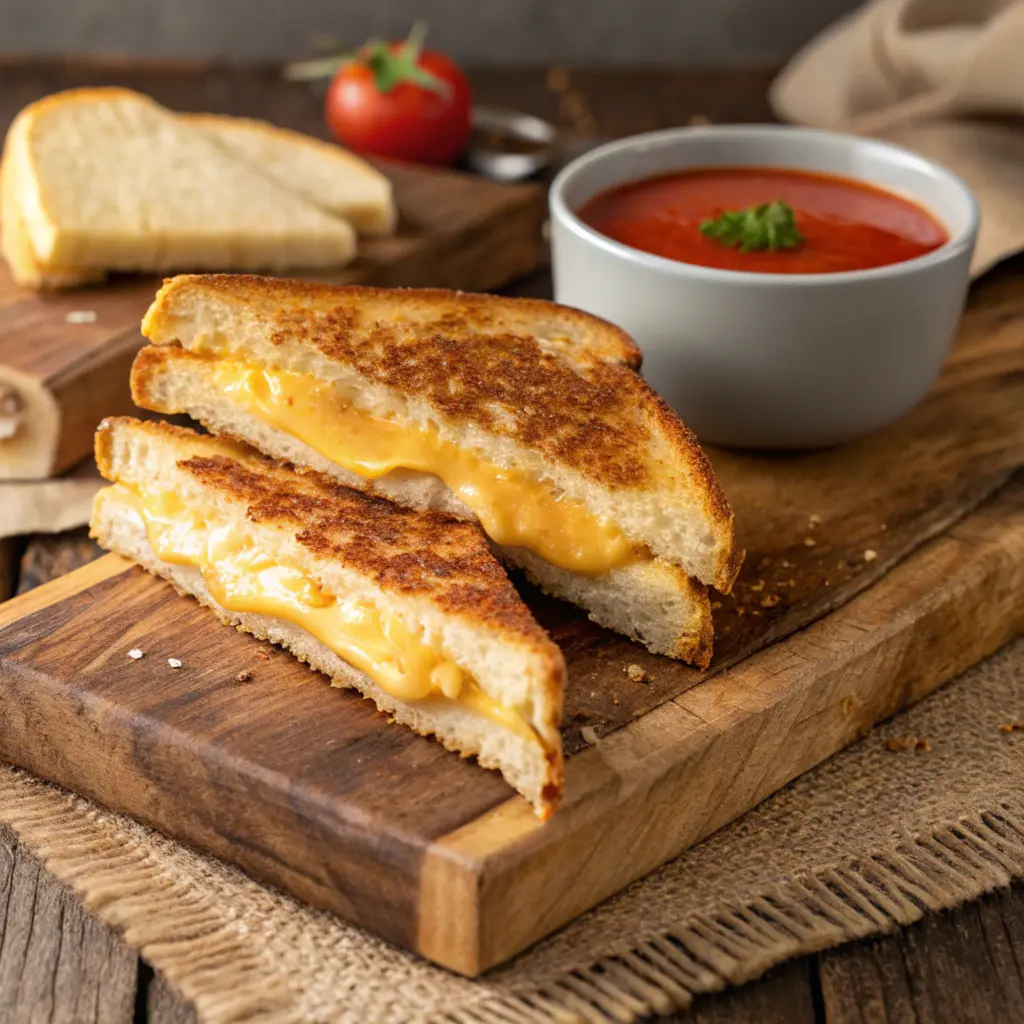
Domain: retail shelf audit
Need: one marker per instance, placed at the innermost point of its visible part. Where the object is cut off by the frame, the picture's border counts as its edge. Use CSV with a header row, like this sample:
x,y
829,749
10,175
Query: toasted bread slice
x,y
325,174
462,657
650,600
109,180
530,390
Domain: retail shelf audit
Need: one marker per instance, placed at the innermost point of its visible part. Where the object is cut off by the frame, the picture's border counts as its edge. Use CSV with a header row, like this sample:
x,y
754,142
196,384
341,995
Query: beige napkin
x,y
48,506
943,77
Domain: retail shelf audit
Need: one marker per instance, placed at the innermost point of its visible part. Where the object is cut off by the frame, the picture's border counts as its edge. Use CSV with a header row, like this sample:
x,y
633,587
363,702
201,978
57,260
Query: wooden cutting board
x,y
875,573
456,231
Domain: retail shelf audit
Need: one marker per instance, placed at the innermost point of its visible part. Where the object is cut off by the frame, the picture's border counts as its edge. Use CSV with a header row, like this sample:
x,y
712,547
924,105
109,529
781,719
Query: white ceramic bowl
x,y
771,360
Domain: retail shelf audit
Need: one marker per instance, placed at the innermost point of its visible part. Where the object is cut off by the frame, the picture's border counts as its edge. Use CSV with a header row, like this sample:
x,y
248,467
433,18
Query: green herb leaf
x,y
770,226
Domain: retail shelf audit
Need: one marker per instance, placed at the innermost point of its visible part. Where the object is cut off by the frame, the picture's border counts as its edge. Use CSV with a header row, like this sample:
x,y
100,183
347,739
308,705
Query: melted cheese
x,y
514,509
245,578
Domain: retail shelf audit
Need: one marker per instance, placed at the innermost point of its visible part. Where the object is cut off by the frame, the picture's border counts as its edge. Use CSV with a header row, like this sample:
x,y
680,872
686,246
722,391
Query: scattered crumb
x,y
849,705
1012,727
757,587
615,701
770,600
81,316
716,605
589,734
869,555
766,561
263,654
636,673
755,611
810,542
900,743
884,526
787,565
174,662
740,610
813,519
135,654
699,119
244,676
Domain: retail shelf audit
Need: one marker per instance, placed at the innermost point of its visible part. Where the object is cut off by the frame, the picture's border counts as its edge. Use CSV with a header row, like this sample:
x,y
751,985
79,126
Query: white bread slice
x,y
109,180
653,602
324,173
431,572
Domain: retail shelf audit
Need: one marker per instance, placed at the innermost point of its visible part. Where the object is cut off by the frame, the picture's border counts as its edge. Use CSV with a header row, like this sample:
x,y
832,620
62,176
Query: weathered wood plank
x,y
58,964
964,965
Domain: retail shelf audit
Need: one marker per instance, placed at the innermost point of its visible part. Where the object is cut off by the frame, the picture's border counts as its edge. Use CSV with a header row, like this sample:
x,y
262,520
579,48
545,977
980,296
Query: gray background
x,y
478,32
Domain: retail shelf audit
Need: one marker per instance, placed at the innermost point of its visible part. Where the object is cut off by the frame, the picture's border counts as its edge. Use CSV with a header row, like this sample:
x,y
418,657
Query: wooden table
x,y
58,963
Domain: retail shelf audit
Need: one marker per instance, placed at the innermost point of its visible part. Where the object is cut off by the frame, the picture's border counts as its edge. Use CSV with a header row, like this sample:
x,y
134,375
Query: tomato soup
x,y
843,224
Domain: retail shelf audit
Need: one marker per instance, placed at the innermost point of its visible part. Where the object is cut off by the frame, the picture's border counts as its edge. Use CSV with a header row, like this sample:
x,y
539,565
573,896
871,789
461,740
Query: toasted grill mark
x,y
585,416
427,553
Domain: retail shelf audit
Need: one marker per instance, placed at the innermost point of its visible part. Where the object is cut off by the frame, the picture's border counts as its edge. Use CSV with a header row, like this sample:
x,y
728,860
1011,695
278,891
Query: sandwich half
x,y
527,416
409,608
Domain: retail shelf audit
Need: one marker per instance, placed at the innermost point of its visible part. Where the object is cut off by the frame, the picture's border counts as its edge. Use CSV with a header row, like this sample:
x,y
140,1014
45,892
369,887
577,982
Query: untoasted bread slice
x,y
325,174
429,580
109,180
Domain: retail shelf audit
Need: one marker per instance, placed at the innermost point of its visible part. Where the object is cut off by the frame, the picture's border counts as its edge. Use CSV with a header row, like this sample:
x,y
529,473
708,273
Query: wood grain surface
x,y
416,844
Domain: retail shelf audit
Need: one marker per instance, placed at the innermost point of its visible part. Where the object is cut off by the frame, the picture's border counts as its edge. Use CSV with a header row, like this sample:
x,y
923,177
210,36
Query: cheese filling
x,y
514,510
243,577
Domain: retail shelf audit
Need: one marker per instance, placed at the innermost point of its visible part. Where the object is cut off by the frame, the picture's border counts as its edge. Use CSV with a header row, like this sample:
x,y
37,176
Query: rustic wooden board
x,y
456,231
313,790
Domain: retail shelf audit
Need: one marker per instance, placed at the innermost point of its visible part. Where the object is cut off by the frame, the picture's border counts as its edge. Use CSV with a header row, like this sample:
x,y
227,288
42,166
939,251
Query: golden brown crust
x,y
423,554
495,362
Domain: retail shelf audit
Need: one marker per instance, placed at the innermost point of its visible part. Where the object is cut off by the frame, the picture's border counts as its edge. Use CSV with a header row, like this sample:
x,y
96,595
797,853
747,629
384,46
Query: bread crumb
x,y
787,565
810,542
813,519
770,600
899,743
1012,727
869,555
244,676
766,561
135,654
174,662
589,734
636,673
716,605
81,316
263,654
757,587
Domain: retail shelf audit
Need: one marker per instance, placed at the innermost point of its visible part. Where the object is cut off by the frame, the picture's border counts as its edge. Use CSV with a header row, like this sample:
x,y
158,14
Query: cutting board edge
x,y
503,866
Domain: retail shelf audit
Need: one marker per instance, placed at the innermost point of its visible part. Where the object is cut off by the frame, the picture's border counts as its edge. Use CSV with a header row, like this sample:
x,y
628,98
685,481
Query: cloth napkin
x,y
942,77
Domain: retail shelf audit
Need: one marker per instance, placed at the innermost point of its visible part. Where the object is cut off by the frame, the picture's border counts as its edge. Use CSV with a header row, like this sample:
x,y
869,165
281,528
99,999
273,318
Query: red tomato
x,y
398,102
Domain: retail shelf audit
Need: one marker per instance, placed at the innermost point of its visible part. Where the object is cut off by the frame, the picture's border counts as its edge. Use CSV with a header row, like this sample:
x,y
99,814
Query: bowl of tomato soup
x,y
789,287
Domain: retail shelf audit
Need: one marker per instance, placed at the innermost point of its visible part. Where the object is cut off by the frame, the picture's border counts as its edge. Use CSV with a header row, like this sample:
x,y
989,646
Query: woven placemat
x,y
926,812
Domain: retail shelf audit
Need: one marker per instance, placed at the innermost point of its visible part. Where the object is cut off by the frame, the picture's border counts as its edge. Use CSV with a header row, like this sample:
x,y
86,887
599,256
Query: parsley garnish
x,y
769,226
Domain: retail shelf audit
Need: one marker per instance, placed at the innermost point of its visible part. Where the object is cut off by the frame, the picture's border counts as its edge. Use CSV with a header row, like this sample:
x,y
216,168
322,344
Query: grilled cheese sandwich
x,y
441,642
526,416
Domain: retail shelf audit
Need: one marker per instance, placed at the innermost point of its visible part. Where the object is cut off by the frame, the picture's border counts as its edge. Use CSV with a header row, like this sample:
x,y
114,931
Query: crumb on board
x,y
589,734
636,673
810,542
786,565
174,662
135,654
813,519
766,561
870,555
757,587
81,316
244,676
262,654
1009,727
716,606
770,600
900,743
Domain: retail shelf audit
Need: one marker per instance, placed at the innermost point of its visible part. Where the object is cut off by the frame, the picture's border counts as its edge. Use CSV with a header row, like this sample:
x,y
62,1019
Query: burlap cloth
x,y
868,841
